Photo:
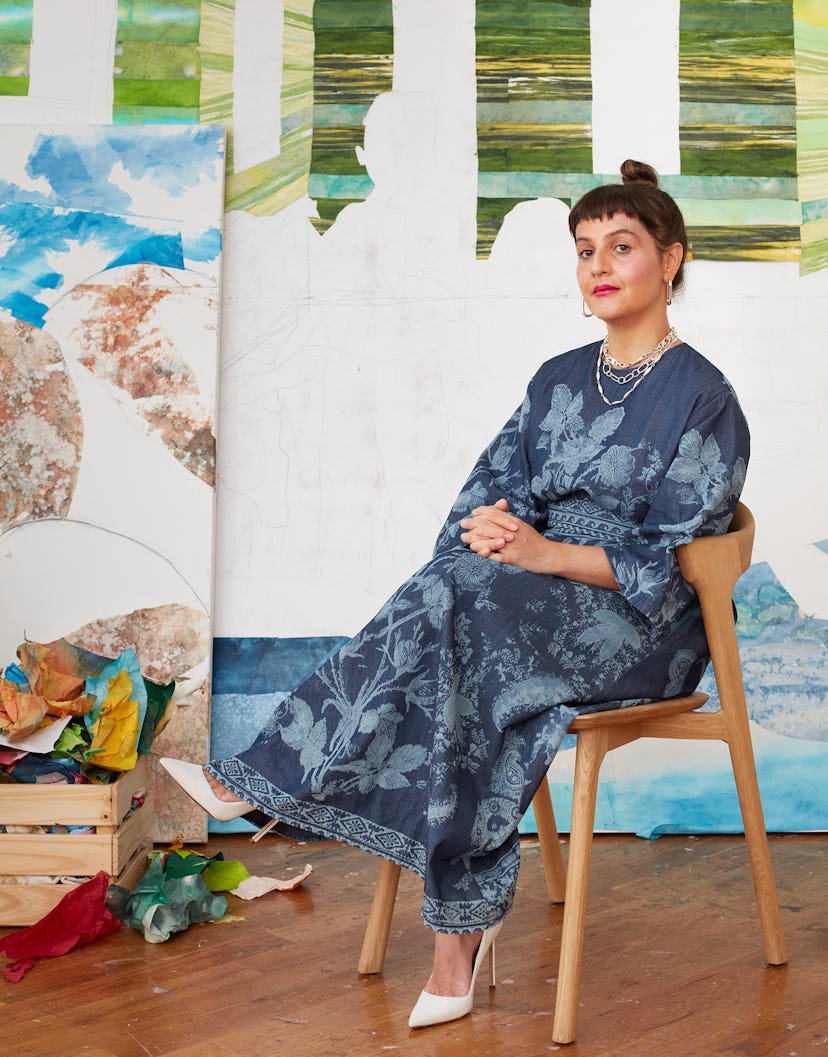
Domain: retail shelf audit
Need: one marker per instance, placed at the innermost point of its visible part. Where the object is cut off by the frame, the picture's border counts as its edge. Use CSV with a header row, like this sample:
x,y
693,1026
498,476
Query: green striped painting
x,y
534,106
15,46
215,45
811,35
174,62
157,74
737,120
353,64
272,184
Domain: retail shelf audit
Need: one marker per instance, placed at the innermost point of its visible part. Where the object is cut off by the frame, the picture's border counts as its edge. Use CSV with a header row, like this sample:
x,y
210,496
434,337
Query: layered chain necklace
x,y
634,372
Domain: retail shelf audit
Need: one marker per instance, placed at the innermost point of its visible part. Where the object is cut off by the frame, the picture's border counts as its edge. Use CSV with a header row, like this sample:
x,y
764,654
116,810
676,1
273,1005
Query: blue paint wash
x,y
785,664
85,206
250,677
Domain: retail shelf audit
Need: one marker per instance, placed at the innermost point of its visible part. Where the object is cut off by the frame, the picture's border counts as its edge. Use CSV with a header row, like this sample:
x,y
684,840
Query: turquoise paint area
x,y
322,185
692,113
565,185
299,119
692,789
784,659
16,22
814,210
339,115
748,213
571,112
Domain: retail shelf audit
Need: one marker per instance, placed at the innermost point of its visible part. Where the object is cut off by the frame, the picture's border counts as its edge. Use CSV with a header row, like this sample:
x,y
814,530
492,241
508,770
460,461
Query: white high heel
x,y
190,776
438,1009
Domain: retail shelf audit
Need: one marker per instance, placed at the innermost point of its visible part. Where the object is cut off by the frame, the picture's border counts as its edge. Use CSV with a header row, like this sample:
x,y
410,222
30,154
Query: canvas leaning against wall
x,y
109,294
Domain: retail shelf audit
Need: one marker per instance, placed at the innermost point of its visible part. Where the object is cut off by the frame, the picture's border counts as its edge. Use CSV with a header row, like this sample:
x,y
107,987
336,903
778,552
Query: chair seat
x,y
617,717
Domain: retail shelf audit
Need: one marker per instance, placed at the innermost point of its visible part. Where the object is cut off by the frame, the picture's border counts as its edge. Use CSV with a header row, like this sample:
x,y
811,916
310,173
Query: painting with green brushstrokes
x,y
15,46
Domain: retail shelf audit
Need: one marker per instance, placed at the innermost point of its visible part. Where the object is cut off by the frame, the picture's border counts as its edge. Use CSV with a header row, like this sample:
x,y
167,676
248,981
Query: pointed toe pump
x,y
191,778
438,1009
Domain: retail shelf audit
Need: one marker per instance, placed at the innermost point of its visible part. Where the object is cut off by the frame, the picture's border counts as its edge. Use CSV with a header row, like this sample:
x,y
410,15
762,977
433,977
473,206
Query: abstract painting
x,y
157,69
811,36
737,120
353,64
15,46
534,106
111,241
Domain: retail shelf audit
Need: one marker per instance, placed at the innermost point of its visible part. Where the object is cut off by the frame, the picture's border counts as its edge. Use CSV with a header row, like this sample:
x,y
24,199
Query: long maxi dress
x,y
424,739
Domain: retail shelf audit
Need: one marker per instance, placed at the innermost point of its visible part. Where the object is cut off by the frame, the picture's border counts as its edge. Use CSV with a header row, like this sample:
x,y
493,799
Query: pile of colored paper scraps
x,y
79,918
179,889
63,708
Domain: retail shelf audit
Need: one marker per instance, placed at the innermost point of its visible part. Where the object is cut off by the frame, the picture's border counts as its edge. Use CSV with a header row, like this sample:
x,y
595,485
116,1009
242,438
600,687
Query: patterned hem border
x,y
330,822
462,916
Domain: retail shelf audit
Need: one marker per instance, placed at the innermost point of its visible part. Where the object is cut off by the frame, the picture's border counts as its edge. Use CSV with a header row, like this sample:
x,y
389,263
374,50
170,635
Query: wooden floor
x,y
673,967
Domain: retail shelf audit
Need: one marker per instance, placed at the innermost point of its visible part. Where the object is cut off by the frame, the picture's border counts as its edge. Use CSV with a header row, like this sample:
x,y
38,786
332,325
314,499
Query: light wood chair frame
x,y
712,564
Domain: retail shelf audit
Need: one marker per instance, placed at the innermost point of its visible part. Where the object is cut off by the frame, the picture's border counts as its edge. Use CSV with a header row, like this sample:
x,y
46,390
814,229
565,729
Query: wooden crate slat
x,y
25,904
71,805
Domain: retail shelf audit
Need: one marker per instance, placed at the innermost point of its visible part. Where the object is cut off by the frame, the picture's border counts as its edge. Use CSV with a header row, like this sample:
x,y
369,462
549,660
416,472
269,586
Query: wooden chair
x,y
712,564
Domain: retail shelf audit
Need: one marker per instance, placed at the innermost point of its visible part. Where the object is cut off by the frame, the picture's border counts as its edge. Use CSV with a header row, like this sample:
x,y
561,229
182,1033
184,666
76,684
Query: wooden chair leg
x,y
747,787
592,747
379,920
553,864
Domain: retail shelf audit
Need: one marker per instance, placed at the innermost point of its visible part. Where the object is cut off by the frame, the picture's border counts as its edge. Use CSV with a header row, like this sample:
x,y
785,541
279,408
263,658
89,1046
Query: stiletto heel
x,y
438,1009
190,776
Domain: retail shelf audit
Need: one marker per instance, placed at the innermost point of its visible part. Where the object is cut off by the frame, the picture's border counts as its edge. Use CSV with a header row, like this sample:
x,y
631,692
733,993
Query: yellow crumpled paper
x,y
115,732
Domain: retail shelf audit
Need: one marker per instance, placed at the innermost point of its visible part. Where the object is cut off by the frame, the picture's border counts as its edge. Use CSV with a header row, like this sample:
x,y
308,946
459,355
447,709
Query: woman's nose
x,y
599,263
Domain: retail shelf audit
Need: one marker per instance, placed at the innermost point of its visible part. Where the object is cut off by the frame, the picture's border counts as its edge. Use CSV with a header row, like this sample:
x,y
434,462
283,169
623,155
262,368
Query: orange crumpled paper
x,y
55,689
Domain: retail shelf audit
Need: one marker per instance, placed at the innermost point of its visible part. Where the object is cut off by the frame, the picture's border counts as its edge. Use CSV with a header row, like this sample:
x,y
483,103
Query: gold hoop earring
x,y
669,291
588,315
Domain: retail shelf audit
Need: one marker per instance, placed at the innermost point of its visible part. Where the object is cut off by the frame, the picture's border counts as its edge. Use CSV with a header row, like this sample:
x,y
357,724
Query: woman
x,y
553,589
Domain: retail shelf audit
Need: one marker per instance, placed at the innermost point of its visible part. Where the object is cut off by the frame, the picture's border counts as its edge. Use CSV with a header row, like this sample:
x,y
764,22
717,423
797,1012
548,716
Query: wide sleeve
x,y
501,472
696,497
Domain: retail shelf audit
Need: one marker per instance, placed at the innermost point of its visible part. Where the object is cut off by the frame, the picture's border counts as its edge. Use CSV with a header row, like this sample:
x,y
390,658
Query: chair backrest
x,y
705,560
713,564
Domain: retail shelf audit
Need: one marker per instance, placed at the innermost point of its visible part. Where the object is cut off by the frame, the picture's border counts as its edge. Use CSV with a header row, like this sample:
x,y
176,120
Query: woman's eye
x,y
622,247
585,253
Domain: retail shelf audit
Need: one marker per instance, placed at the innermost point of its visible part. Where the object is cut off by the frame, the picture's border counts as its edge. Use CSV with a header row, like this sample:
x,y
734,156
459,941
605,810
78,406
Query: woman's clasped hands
x,y
492,532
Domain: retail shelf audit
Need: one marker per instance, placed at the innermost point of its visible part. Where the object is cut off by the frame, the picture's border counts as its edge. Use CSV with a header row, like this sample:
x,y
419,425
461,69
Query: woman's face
x,y
622,274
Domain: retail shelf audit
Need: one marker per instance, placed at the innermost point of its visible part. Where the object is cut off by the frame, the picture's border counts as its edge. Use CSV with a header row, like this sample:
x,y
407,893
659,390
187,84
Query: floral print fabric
x,y
425,738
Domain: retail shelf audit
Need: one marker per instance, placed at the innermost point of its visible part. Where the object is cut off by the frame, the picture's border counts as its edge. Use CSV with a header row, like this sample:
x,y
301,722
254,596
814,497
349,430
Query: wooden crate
x,y
118,846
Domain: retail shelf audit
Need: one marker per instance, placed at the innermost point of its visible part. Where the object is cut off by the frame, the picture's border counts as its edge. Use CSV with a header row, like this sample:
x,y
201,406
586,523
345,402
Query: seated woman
x,y
553,590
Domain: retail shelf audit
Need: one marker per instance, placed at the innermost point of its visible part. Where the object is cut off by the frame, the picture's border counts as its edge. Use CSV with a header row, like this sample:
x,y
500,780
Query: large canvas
x,y
109,286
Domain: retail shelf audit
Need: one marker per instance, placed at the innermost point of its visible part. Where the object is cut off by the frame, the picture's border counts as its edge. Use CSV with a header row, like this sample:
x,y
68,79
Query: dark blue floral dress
x,y
425,737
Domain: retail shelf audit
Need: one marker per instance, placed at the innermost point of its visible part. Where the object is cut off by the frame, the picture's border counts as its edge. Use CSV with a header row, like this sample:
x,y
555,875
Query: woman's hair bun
x,y
638,172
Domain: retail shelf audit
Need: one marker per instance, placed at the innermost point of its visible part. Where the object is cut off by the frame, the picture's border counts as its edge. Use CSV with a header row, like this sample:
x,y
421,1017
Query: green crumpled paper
x,y
220,874
167,899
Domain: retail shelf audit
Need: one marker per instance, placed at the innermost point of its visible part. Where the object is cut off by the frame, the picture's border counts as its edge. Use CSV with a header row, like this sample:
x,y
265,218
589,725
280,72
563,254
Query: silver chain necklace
x,y
638,369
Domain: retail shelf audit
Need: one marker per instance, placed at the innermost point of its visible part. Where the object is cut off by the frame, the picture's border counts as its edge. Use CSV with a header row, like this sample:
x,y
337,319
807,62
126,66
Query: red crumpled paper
x,y
80,917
